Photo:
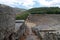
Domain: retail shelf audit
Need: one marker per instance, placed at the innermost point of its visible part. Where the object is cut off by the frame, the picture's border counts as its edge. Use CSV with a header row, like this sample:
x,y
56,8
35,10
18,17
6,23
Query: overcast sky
x,y
27,4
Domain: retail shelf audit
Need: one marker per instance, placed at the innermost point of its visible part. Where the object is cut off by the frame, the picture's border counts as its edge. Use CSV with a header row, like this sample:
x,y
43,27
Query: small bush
x,y
22,16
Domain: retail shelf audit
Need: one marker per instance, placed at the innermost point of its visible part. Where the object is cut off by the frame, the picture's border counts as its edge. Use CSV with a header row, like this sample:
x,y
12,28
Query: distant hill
x,y
19,10
45,10
16,10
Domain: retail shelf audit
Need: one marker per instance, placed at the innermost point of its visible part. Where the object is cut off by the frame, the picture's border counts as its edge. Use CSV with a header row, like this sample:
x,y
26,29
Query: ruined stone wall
x,y
7,22
21,32
50,36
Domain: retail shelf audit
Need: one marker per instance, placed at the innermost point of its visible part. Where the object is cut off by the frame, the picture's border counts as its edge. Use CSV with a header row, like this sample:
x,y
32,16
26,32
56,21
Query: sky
x,y
27,4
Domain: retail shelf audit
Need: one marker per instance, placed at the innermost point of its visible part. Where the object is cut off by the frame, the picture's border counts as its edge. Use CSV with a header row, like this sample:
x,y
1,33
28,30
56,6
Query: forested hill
x,y
45,10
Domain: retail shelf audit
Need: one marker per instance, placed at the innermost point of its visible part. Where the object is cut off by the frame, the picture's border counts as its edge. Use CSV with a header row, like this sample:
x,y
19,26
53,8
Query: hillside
x,y
45,10
42,25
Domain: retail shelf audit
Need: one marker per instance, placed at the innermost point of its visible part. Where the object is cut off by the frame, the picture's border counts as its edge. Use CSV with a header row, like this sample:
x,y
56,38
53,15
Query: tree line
x,y
45,10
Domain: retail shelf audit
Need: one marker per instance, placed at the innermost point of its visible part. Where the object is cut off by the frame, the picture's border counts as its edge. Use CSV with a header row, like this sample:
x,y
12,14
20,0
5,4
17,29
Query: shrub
x,y
22,16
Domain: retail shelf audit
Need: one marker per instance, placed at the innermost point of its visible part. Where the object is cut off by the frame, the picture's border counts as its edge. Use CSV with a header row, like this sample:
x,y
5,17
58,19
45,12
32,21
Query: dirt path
x,y
31,36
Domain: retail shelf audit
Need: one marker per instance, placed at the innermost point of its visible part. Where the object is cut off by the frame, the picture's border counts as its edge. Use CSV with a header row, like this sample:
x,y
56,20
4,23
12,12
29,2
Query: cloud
x,y
30,3
9,2
26,3
49,3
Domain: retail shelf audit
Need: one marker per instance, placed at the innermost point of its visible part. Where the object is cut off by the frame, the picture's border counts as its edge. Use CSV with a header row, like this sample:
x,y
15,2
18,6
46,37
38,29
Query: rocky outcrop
x,y
7,22
9,28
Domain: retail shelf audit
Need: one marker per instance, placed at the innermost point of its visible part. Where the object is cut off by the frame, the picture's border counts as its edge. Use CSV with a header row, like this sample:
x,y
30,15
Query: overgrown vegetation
x,y
22,16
